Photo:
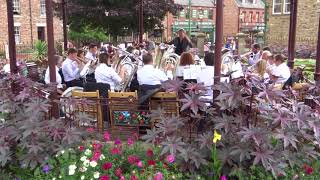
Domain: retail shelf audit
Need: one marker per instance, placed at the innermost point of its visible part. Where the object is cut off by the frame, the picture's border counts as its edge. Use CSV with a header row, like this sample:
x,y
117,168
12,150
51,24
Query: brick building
x,y
239,16
279,20
29,22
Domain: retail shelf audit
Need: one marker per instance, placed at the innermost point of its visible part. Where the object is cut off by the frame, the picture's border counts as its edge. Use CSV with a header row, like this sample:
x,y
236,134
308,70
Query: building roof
x,y
259,5
202,3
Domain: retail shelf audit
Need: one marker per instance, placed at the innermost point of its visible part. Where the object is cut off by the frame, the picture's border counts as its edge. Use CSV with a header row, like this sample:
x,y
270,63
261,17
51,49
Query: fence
x,y
24,51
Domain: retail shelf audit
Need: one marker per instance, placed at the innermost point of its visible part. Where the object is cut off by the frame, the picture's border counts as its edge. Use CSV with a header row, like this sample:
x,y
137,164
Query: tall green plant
x,y
40,51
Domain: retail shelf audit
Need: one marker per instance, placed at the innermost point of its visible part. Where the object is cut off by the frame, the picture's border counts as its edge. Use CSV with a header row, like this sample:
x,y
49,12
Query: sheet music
x,y
191,72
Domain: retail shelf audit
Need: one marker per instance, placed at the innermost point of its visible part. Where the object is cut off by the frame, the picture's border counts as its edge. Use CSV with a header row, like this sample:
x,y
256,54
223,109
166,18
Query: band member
x,y
92,53
281,73
59,60
254,55
148,75
182,42
186,60
105,74
206,75
71,68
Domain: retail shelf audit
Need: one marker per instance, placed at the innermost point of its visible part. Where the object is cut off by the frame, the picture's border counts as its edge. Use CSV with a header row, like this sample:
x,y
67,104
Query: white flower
x,y
53,178
83,158
82,177
83,169
72,167
71,172
93,164
102,157
60,177
88,152
86,163
62,152
96,175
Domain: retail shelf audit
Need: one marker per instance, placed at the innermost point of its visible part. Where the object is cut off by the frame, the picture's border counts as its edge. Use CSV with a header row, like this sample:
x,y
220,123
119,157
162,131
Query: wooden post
x,y
64,22
11,38
292,33
218,44
51,53
141,28
317,70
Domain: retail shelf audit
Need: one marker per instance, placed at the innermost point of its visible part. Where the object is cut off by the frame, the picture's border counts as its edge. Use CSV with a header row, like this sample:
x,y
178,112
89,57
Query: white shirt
x,y
70,70
148,75
206,76
254,58
179,71
58,78
282,72
90,56
107,75
6,68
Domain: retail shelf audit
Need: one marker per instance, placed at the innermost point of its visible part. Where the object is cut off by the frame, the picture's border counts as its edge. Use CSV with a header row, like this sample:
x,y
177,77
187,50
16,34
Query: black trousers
x,y
73,83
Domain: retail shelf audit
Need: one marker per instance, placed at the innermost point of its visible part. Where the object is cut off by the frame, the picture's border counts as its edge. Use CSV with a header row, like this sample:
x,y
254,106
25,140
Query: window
x,y
210,16
194,13
16,7
206,14
243,16
183,14
286,6
201,14
276,8
249,1
17,34
257,17
42,7
250,17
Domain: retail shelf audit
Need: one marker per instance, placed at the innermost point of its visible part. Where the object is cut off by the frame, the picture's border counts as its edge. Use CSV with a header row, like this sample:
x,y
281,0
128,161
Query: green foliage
x,y
40,51
87,35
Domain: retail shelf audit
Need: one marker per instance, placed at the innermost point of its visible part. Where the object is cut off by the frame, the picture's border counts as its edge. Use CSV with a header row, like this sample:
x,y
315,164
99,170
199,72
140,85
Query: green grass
x,y
310,66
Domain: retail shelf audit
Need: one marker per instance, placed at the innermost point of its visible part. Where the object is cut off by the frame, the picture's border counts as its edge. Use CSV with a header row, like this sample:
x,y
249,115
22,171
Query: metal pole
x,y
11,38
317,70
141,22
64,21
218,44
51,53
292,33
189,18
31,26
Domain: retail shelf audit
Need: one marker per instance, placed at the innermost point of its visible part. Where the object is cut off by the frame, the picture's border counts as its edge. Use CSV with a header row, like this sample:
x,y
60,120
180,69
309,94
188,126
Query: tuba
x,y
169,58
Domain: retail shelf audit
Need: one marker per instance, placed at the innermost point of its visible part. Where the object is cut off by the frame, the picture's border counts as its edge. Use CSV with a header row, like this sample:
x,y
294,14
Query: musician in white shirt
x,y
254,55
71,68
148,75
186,60
281,73
6,67
59,61
105,74
206,76
92,53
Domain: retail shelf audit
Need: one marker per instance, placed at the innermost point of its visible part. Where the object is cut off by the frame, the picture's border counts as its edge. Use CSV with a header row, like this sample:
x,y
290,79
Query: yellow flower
x,y
216,137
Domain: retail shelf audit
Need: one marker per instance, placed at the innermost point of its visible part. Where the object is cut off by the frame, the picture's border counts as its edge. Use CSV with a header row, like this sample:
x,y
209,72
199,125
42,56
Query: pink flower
x,y
106,136
223,177
121,178
97,146
149,153
107,166
158,176
117,141
105,177
90,130
139,164
130,142
115,151
133,159
133,177
118,172
96,156
170,158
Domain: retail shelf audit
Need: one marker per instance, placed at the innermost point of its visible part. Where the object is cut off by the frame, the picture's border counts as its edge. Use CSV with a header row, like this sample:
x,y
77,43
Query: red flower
x,y
96,156
118,172
97,146
121,117
133,159
81,148
151,162
149,153
309,170
115,151
107,166
133,177
134,116
90,130
104,177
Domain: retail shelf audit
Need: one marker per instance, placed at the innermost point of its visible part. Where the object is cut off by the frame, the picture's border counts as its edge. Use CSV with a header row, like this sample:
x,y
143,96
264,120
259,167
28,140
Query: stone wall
x,y
28,23
307,25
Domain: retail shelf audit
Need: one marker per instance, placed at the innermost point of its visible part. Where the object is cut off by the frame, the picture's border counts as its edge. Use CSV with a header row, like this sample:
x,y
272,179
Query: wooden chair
x,y
167,102
94,109
122,102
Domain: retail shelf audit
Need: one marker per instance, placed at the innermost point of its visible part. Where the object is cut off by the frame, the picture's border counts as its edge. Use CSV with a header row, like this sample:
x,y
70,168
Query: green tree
x,y
87,35
113,15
